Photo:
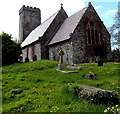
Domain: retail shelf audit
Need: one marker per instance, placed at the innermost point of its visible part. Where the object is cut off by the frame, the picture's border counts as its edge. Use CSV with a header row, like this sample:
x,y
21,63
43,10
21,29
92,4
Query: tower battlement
x,y
29,19
28,8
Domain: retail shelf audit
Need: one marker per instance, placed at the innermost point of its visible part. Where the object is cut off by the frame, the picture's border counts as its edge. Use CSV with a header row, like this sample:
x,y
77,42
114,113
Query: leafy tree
x,y
10,49
115,29
116,55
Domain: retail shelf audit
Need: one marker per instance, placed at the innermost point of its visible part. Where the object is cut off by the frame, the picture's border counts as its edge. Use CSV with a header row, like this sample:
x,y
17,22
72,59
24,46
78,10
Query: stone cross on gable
x,y
61,53
61,5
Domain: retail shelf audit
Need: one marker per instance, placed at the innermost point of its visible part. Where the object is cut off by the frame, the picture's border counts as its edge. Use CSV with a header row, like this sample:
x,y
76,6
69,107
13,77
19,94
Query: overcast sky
x,y
9,10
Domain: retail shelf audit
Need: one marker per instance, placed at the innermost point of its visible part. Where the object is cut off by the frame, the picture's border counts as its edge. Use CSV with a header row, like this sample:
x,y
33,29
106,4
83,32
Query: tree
x,y
115,29
116,55
10,49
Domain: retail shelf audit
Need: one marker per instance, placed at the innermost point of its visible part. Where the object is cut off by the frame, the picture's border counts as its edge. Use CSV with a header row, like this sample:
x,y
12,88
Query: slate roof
x,y
68,27
39,31
62,34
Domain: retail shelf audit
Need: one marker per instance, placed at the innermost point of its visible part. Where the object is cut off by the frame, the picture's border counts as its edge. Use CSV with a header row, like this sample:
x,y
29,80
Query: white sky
x,y
9,10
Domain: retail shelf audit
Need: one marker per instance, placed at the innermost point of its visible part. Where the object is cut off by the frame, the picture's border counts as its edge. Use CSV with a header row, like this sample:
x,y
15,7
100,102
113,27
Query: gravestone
x,y
75,67
61,65
100,63
91,75
94,95
61,53
97,95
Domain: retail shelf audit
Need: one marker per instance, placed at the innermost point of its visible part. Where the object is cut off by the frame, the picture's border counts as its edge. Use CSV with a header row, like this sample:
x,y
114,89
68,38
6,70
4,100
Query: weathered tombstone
x,y
97,95
61,53
26,60
93,94
61,65
100,63
91,75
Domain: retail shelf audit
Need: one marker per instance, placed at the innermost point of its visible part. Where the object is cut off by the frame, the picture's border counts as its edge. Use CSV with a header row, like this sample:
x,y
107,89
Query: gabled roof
x,y
39,31
68,27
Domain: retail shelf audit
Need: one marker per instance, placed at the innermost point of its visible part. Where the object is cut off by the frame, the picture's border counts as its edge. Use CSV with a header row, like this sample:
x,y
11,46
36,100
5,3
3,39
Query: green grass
x,y
45,89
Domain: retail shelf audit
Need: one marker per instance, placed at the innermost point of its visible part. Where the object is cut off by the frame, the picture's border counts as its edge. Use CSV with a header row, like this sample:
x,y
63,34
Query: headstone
x,y
95,95
26,60
100,63
91,75
61,65
61,53
75,67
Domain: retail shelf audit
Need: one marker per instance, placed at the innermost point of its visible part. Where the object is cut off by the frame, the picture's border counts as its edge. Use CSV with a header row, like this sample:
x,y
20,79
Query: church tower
x,y
29,19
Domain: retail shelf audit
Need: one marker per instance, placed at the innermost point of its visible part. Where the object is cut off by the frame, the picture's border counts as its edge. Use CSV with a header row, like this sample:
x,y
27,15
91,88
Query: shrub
x,y
10,49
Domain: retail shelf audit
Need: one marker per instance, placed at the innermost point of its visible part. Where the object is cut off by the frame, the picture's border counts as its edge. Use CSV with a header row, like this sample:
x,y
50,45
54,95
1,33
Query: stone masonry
x,y
82,36
29,19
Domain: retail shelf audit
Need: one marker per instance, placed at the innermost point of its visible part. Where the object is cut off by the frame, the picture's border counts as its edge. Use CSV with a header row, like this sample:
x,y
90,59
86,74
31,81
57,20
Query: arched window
x,y
89,39
27,52
96,37
92,34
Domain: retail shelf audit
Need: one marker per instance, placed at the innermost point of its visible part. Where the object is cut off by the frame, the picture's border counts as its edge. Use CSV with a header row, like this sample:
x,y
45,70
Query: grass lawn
x,y
45,89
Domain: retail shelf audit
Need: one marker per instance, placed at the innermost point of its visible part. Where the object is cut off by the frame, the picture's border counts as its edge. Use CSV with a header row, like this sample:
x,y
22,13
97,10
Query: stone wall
x,y
77,49
52,29
29,19
106,38
66,47
83,52
28,50
78,42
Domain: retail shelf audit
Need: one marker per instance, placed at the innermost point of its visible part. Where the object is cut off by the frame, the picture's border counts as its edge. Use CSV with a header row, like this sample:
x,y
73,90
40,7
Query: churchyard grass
x,y
45,88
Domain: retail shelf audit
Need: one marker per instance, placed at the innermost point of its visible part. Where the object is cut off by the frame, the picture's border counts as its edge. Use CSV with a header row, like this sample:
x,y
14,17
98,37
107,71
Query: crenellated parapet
x,y
29,19
28,8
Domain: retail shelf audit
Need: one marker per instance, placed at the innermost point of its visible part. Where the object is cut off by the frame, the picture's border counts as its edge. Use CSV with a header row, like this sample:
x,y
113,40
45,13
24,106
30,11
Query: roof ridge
x,y
69,26
79,11
50,17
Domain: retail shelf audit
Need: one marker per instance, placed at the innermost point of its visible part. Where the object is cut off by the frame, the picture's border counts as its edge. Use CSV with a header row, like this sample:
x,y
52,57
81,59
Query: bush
x,y
10,49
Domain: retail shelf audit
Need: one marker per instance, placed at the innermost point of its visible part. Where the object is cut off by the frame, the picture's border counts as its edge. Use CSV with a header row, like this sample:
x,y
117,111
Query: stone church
x,y
82,37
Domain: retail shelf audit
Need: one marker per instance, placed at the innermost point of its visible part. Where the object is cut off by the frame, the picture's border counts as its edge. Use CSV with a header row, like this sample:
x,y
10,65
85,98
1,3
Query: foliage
x,y
115,30
116,55
10,49
45,88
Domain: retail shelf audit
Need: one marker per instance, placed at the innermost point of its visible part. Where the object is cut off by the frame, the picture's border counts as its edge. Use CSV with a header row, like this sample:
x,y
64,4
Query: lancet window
x,y
93,37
